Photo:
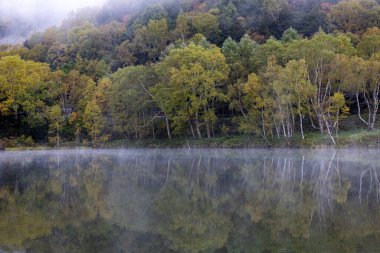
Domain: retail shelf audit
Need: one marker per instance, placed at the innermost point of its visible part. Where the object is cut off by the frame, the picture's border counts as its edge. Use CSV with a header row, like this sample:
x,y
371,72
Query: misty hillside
x,y
266,17
217,20
193,68
19,18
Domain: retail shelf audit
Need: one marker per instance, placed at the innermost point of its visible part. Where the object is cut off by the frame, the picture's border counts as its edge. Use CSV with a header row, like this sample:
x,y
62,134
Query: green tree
x,y
124,56
188,86
230,22
355,15
25,89
258,104
337,110
206,24
290,35
370,43
296,78
271,48
130,102
274,8
94,121
72,91
152,39
361,79
56,120
319,53
240,56
182,29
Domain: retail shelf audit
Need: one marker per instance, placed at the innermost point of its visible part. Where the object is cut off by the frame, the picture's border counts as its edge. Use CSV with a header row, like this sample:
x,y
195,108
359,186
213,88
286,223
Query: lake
x,y
217,201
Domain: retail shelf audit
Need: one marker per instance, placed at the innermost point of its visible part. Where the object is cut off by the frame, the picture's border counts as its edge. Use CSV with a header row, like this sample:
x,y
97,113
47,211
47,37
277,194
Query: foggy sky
x,y
38,14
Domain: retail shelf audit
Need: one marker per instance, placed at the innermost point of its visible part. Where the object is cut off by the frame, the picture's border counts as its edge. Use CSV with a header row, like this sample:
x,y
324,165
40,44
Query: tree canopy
x,y
190,68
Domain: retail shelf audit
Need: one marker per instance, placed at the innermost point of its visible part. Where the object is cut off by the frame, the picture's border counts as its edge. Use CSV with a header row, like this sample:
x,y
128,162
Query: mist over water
x,y
190,201
18,18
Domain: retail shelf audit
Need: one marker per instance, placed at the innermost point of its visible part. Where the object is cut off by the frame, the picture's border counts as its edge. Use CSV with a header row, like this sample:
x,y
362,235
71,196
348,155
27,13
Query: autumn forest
x,y
195,69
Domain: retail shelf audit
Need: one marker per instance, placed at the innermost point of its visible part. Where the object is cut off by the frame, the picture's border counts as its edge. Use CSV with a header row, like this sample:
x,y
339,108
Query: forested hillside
x,y
194,69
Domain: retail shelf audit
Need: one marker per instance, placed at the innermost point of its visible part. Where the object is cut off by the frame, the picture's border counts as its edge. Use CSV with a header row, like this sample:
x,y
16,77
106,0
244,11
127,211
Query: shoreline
x,y
346,139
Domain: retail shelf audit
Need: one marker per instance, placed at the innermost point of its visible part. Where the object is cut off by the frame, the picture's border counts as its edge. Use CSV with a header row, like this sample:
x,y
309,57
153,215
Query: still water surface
x,y
216,201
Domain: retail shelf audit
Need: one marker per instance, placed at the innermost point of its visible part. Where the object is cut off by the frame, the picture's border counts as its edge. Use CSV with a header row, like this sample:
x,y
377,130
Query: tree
x,y
56,120
130,101
94,121
206,24
258,105
152,39
124,56
296,78
74,92
188,86
370,43
274,8
229,21
75,120
38,53
271,48
92,68
281,92
290,35
102,96
336,111
240,56
95,43
182,28
25,87
355,15
361,79
57,56
153,12
319,54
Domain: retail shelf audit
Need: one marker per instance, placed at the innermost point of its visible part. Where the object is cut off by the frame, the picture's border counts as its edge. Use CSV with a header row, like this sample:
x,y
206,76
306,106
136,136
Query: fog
x,y
20,17
124,198
326,170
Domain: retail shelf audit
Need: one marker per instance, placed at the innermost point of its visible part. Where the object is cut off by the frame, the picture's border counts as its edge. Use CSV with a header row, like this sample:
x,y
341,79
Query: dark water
x,y
220,201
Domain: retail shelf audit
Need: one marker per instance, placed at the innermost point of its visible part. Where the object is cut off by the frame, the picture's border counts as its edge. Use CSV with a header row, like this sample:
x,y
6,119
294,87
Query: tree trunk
x,y
320,123
276,126
375,107
197,125
301,119
283,127
359,111
57,136
168,127
207,123
263,126
208,130
329,130
301,127
192,129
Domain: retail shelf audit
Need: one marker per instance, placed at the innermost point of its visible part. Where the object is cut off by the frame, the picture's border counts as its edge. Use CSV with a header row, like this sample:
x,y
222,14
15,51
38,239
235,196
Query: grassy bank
x,y
345,139
360,138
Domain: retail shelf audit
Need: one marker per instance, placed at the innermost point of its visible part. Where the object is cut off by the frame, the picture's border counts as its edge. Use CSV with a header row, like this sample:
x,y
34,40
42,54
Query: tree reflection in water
x,y
190,201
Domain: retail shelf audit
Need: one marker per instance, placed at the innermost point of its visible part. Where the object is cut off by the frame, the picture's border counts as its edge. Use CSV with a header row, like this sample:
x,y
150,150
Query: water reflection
x,y
190,201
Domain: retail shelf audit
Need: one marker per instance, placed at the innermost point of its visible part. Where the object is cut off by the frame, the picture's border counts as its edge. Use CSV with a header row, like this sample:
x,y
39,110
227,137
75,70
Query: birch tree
x,y
361,78
188,86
